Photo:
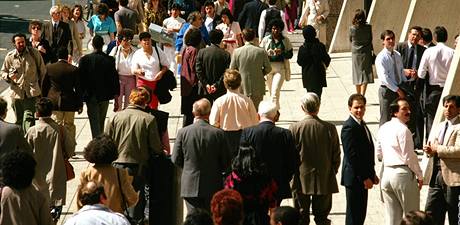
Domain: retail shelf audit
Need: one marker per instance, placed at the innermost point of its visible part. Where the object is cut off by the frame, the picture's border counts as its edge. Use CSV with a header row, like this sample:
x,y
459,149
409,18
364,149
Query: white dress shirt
x,y
396,147
436,61
261,28
384,64
96,214
150,65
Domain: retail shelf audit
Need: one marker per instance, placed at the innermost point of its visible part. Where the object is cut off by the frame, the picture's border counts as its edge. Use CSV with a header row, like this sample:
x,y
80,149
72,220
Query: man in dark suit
x,y
61,84
99,83
200,150
411,54
358,174
274,147
58,34
211,64
250,16
11,136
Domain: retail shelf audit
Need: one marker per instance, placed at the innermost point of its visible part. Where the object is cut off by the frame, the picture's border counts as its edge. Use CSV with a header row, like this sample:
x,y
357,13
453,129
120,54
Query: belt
x,y
435,87
403,165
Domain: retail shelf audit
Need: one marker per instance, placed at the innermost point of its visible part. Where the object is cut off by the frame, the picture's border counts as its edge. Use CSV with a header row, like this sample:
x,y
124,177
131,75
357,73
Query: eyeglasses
x,y
56,13
35,28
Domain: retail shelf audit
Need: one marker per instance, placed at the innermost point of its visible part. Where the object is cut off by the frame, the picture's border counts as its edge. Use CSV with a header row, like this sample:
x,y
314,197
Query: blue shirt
x,y
102,27
183,30
385,66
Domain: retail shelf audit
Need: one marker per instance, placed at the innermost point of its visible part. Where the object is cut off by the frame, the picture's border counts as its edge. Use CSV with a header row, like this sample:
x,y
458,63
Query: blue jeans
x,y
97,110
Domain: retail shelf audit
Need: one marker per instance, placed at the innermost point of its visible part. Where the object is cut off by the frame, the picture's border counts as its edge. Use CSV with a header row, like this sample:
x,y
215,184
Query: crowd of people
x,y
235,163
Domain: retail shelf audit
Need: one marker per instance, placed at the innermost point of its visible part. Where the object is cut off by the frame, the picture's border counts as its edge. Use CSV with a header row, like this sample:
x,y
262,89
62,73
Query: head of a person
x,y
245,163
102,11
268,110
101,150
357,105
209,8
388,39
35,27
65,12
417,217
123,3
227,207
146,40
277,26
426,36
216,36
193,37
195,19
248,34
125,37
285,215
309,33
310,103
440,34
62,53
226,16
139,97
198,217
77,12
456,40
91,193
55,13
451,104
19,41
3,108
175,10
17,169
44,107
414,35
359,18
400,109
201,108
97,42
232,79
271,2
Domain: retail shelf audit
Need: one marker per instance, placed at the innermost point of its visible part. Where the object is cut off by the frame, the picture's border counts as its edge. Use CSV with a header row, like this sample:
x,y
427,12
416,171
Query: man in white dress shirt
x,y
268,15
443,174
435,62
401,171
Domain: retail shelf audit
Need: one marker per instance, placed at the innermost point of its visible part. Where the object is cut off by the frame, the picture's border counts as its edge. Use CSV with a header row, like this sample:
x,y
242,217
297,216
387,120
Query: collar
x,y
388,51
441,44
356,119
132,106
63,60
57,23
271,6
236,91
248,43
395,119
16,53
452,121
266,120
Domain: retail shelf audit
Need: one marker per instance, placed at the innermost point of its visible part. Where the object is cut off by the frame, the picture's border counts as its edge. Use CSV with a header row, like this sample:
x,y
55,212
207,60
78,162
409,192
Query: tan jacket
x,y
30,70
448,153
26,206
48,141
107,176
317,143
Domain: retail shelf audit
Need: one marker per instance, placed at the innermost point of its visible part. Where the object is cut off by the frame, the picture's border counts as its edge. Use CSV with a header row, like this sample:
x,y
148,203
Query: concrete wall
x,y
340,41
333,19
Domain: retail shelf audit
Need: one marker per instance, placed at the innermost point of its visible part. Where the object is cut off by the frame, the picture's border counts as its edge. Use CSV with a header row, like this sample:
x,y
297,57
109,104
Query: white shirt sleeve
x,y
261,28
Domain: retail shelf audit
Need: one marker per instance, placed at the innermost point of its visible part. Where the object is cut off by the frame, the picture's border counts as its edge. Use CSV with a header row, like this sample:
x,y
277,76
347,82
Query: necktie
x,y
55,27
395,69
441,137
410,62
367,131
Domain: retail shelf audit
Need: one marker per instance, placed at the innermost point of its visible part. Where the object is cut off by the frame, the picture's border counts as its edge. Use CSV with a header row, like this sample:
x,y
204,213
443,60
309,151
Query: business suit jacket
x,y
63,38
98,77
202,153
448,153
12,138
211,64
253,64
62,85
275,148
358,154
403,49
250,15
317,143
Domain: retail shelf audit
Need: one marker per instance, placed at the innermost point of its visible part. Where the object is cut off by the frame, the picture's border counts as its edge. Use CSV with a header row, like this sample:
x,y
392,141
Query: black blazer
x,y
98,77
63,37
403,48
275,148
250,15
211,64
314,59
358,154
62,85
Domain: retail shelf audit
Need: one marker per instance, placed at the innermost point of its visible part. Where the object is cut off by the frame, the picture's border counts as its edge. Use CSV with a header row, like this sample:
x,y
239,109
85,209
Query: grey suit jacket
x,y
253,64
12,138
202,153
317,143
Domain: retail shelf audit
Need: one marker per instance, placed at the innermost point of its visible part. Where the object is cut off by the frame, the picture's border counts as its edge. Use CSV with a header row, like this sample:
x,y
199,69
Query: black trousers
x,y
356,204
433,95
441,199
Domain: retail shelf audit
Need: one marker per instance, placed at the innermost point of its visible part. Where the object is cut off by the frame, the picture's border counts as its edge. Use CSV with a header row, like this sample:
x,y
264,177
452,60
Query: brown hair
x,y
232,79
35,23
139,96
227,207
359,18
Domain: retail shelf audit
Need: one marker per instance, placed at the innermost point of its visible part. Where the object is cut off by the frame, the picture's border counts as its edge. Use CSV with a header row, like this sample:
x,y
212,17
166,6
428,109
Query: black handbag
x,y
165,84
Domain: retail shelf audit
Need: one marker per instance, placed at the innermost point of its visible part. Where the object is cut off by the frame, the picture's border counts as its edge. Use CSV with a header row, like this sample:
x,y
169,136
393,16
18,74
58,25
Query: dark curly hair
x,y
246,164
17,169
278,23
227,207
44,107
198,217
101,150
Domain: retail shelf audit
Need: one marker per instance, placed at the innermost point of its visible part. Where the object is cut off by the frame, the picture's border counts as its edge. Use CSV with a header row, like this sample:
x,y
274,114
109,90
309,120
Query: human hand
x,y
376,179
69,58
158,76
278,51
401,93
368,183
420,184
41,49
116,106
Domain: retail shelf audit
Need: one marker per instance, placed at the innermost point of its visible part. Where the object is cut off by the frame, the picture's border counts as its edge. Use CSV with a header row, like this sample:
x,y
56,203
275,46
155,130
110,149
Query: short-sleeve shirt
x,y
102,27
150,65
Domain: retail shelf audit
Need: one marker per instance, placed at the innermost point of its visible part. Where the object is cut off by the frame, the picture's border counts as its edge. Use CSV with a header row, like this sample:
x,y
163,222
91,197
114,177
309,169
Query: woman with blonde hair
x,y
77,52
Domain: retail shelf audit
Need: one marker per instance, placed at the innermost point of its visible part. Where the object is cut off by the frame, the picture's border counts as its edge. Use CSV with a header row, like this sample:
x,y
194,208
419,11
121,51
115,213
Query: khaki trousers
x,y
65,119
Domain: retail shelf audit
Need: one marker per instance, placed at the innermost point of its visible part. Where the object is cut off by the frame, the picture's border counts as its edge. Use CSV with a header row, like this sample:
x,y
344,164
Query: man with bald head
x,y
274,147
201,150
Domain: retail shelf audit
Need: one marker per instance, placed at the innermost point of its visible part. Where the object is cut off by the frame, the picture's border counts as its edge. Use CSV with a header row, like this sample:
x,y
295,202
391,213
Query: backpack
x,y
271,14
